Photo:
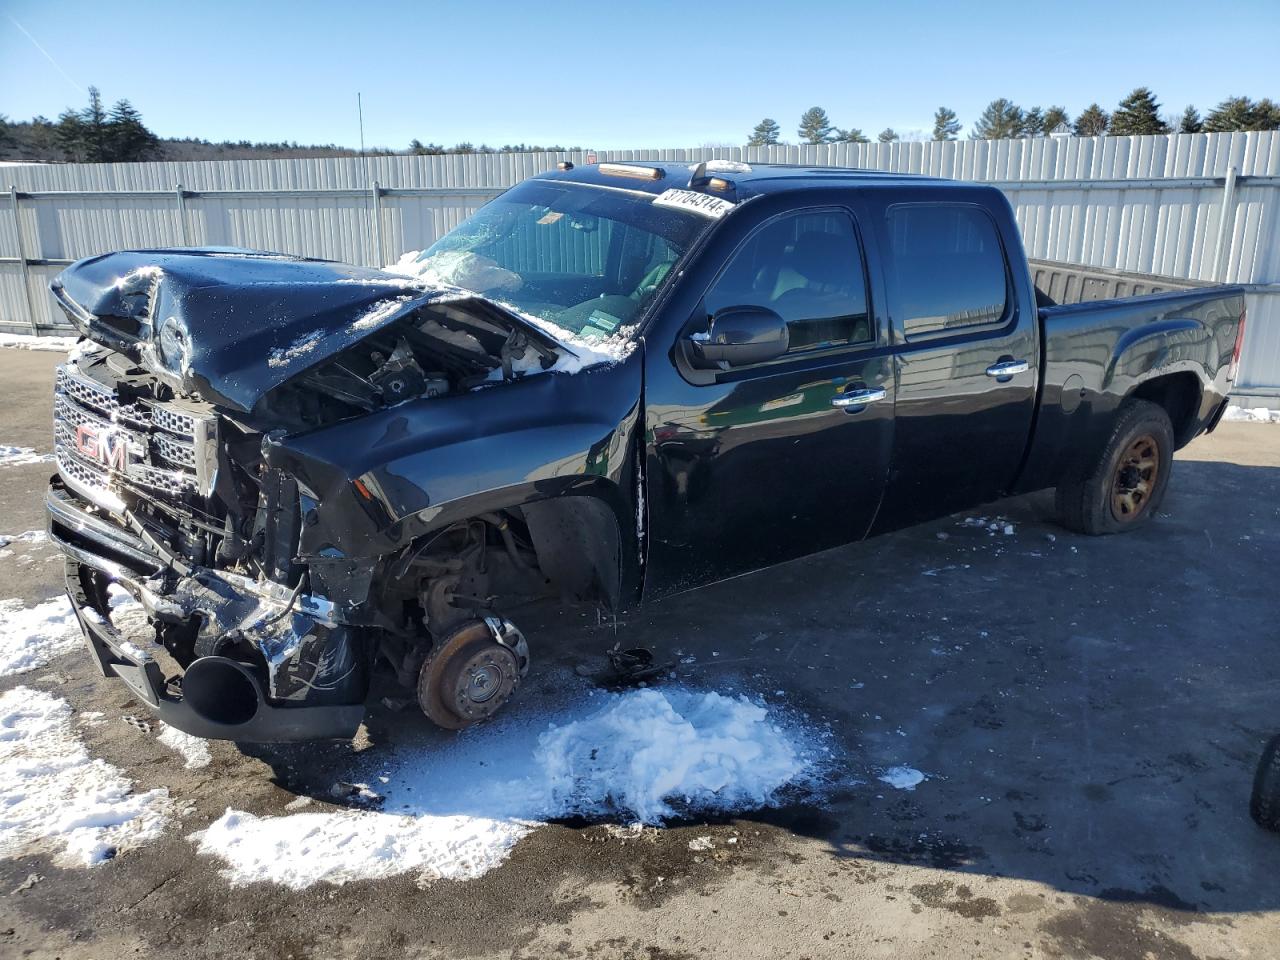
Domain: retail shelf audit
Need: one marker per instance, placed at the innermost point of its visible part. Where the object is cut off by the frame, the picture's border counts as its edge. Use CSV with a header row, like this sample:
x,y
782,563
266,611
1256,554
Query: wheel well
x,y
1179,395
578,546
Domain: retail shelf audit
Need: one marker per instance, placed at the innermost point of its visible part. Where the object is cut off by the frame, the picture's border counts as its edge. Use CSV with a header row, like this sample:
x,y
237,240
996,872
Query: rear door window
x,y
808,269
947,269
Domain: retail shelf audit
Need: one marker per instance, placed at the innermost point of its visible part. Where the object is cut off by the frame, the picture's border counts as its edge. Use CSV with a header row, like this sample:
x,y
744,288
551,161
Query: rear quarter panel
x,y
1097,354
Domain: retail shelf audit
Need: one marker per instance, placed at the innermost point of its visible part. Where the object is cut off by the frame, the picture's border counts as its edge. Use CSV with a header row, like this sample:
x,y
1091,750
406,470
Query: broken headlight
x,y
174,344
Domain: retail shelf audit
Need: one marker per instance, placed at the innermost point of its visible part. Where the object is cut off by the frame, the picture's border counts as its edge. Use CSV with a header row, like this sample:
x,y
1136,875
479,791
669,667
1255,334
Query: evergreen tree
x,y
1033,123
766,134
852,135
128,138
6,138
70,136
1190,122
1240,113
1054,117
945,124
96,136
1266,115
887,135
1138,115
1001,120
42,136
815,126
84,135
1093,122
1231,115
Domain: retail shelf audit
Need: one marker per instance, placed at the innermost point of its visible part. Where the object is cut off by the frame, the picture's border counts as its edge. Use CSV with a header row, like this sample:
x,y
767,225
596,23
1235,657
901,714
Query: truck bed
x,y
1098,349
1061,283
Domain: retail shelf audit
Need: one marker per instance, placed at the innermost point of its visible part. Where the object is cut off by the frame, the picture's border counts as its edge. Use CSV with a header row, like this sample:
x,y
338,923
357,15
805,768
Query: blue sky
x,y
614,73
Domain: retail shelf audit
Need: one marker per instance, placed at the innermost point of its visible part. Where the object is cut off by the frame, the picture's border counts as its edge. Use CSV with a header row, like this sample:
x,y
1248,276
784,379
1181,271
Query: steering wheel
x,y
652,280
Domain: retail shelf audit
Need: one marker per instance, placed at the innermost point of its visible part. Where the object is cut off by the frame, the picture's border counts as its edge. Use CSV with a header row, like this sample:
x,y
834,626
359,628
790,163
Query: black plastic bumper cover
x,y
115,655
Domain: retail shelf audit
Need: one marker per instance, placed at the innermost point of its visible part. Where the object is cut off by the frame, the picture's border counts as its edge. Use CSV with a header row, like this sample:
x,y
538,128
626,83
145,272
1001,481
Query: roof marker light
x,y
629,170
564,165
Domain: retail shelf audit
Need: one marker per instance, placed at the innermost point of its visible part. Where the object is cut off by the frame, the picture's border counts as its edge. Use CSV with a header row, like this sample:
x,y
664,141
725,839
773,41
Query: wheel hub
x,y
1135,479
468,677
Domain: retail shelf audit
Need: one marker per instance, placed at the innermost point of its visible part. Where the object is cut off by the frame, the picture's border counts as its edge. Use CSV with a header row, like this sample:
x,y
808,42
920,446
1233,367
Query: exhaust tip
x,y
221,691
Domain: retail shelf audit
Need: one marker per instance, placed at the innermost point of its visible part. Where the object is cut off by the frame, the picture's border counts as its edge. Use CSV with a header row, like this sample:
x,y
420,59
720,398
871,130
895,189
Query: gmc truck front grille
x,y
105,447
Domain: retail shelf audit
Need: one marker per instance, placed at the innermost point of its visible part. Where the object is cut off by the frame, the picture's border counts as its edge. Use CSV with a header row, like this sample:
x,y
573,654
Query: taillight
x,y
1234,366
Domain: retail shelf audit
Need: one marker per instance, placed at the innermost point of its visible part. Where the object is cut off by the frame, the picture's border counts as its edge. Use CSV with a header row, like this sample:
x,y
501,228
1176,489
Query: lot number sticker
x,y
712,207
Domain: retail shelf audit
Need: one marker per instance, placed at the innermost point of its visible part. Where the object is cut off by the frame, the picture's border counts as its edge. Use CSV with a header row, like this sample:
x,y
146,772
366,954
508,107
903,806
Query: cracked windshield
x,y
585,259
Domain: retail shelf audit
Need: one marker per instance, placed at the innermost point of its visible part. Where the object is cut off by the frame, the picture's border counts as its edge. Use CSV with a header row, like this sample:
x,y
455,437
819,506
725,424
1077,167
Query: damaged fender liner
x,y
305,650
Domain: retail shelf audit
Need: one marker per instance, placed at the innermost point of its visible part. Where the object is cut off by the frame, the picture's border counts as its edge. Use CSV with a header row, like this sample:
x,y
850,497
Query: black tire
x,y
1122,487
1264,805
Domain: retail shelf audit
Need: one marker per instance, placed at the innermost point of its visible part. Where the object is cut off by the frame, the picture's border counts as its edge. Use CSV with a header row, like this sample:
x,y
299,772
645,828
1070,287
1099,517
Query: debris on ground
x,y
634,666
31,880
902,778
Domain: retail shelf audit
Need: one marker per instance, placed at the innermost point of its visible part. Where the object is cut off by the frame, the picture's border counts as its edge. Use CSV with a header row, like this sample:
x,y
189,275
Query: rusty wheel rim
x,y
1135,478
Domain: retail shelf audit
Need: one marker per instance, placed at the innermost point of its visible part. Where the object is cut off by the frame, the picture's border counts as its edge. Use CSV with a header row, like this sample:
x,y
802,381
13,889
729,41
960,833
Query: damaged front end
x,y
176,482
152,495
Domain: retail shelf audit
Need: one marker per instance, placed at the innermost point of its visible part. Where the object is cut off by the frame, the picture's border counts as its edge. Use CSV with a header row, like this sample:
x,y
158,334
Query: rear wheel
x,y
1265,803
1121,489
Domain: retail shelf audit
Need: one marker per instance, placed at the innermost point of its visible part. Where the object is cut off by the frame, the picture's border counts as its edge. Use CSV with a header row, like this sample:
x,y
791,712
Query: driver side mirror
x,y
740,336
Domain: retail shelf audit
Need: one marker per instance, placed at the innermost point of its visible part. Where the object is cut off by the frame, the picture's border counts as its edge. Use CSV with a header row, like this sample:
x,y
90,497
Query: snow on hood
x,y
463,271
251,320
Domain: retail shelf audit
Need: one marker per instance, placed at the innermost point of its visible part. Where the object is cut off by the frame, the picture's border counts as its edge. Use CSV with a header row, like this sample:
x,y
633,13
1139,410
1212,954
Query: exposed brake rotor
x,y
472,673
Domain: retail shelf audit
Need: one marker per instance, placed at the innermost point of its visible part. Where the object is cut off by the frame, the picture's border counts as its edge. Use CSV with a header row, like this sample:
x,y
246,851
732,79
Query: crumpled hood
x,y
244,321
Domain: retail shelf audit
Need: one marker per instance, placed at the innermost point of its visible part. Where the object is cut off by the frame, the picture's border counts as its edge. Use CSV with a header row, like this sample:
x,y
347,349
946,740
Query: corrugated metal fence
x,y
1195,206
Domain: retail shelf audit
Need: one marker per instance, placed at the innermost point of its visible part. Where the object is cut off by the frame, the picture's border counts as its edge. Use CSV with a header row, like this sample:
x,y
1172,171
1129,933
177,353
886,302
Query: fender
x,y
1170,345
369,486
1096,354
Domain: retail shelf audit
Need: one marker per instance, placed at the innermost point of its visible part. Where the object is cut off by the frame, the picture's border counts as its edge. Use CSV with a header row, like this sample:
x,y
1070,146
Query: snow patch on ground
x,y
27,536
902,778
194,750
20,456
642,756
1252,414
53,796
30,637
24,341
648,752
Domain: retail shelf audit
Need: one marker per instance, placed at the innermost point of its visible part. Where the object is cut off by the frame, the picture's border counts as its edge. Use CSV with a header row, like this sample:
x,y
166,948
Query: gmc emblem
x,y
107,447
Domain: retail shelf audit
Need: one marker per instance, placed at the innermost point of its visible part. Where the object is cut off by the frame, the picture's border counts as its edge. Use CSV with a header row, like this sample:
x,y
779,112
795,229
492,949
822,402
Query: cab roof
x,y
729,179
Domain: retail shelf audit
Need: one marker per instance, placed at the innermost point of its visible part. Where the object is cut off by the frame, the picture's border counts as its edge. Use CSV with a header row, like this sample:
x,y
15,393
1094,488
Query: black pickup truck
x,y
611,383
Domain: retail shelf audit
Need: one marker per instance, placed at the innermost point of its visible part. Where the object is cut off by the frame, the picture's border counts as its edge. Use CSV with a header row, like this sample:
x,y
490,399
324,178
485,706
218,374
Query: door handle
x,y
1007,368
859,398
